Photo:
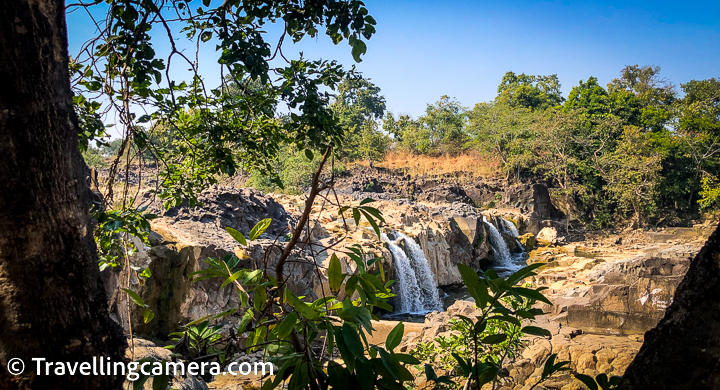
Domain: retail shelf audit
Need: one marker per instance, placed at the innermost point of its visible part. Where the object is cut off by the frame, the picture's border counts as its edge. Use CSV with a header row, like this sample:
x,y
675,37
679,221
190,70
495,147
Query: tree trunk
x,y
683,350
52,302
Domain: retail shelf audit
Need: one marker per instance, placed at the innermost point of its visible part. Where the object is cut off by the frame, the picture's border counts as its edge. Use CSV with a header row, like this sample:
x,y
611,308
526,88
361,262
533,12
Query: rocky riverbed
x,y
607,289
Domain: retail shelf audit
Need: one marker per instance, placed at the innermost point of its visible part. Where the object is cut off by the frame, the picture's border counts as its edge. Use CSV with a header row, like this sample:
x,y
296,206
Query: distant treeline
x,y
640,151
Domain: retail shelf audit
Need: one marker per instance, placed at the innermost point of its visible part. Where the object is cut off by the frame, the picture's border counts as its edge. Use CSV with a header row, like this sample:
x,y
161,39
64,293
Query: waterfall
x,y
510,228
502,253
417,291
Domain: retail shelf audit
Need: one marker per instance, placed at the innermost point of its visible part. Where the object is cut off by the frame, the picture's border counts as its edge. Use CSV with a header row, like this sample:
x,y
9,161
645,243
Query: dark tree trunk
x,y
683,350
52,302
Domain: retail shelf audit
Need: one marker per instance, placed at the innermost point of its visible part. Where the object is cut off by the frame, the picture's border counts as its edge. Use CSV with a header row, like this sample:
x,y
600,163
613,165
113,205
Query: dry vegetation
x,y
419,165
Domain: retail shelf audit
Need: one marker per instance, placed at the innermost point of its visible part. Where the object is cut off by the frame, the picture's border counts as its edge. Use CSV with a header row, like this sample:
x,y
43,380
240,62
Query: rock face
x,y
183,238
588,354
223,207
634,295
532,200
683,350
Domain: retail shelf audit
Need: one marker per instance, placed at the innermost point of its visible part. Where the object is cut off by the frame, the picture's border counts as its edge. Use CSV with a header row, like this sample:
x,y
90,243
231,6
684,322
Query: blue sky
x,y
426,49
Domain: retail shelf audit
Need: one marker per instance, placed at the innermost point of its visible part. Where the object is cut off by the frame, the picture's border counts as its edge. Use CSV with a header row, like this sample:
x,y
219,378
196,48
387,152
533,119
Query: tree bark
x,y
52,301
683,350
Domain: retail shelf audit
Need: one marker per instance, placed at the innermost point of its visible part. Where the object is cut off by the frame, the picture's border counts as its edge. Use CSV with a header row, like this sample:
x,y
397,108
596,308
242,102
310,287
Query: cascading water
x,y
417,292
510,228
502,253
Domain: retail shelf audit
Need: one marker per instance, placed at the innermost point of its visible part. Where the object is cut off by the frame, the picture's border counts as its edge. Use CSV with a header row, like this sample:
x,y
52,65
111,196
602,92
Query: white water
x,y
417,292
510,228
502,253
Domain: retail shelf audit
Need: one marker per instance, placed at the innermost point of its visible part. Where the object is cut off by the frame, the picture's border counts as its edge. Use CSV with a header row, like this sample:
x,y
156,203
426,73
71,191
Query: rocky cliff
x,y
183,238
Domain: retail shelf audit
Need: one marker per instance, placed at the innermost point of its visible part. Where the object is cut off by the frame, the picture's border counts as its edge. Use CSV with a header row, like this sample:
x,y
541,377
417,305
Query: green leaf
x,y
536,331
287,324
465,366
309,154
135,297
366,201
302,308
365,375
372,222
389,362
239,237
345,353
225,313
161,382
476,287
148,315
588,381
359,48
245,321
233,277
359,315
335,275
395,337
523,273
260,228
353,341
531,294
405,358
356,216
494,339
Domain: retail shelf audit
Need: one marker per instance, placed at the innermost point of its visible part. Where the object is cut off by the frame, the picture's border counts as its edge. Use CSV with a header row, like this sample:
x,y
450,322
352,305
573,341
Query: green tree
x,y
597,102
533,92
373,144
655,94
359,107
699,128
440,130
632,172
505,132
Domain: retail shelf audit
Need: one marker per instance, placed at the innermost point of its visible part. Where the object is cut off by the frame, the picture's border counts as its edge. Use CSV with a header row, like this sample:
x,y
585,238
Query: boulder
x,y
528,241
546,236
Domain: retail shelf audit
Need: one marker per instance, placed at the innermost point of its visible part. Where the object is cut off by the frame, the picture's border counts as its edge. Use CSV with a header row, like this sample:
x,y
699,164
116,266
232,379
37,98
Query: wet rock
x,y
528,241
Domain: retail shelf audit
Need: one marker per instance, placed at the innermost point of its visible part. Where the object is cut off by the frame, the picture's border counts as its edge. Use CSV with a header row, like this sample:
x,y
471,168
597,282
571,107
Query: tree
x,y
655,94
440,130
597,102
632,173
533,92
373,144
358,107
699,126
505,132
52,301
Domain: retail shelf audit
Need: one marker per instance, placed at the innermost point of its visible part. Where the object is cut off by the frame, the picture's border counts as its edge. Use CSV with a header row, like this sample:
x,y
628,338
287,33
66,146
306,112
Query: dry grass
x,y
418,165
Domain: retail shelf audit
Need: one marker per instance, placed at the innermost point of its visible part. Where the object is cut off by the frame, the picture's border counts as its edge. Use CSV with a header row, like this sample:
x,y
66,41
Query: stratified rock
x,y
633,297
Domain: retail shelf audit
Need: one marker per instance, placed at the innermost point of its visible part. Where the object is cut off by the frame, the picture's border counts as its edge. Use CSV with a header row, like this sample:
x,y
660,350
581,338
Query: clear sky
x,y
426,49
